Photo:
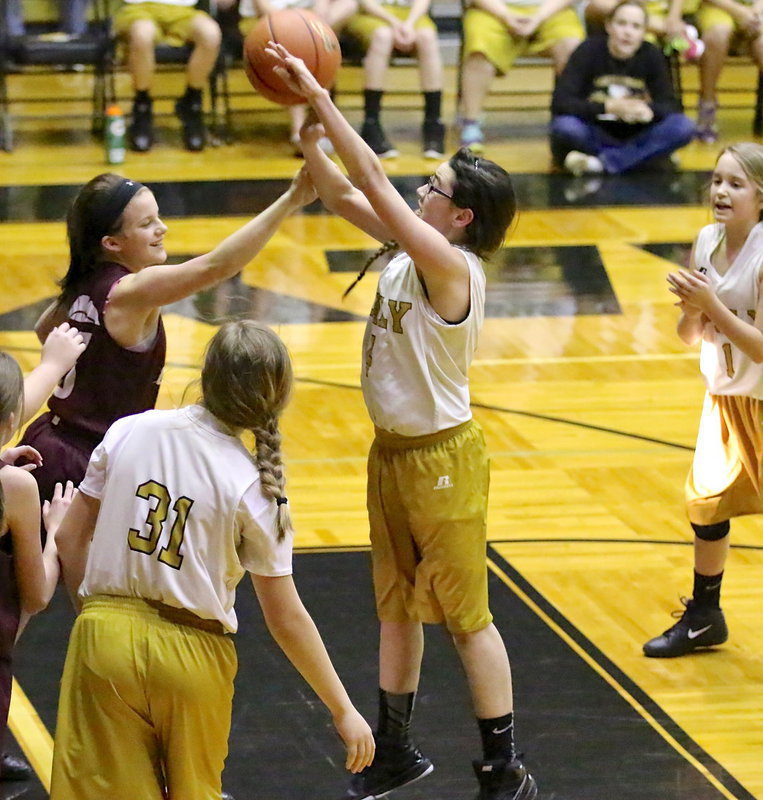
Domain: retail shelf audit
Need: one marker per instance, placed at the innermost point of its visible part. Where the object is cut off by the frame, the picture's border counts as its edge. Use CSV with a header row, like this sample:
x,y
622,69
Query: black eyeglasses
x,y
432,188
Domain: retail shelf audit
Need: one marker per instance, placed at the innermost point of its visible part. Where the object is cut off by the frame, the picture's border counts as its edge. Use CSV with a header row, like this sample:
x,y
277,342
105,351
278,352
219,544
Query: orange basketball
x,y
305,36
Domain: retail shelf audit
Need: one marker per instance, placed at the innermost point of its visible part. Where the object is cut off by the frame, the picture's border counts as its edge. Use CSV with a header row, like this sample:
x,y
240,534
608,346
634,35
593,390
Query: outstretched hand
x,y
54,510
293,72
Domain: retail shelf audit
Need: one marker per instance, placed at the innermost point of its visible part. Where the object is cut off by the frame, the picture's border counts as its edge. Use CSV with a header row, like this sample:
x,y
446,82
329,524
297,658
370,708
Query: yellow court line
x,y
629,698
31,734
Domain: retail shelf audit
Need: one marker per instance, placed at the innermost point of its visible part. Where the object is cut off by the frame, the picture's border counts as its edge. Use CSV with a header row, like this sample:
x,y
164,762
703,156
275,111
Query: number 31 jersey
x,y
182,514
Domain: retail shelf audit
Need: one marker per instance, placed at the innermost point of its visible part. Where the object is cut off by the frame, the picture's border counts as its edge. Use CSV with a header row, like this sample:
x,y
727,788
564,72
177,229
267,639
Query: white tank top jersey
x,y
415,364
182,514
726,369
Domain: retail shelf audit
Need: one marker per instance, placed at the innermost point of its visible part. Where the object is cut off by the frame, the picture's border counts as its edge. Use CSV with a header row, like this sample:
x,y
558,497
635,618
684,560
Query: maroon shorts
x,y
65,455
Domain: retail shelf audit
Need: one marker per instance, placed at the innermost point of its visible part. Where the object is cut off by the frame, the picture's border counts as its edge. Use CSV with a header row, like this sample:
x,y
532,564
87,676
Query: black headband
x,y
111,207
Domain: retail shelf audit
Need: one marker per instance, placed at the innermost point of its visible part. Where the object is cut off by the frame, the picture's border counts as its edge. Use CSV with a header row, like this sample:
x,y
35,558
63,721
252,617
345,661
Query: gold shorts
x,y
486,34
174,22
362,26
711,16
145,704
427,507
727,473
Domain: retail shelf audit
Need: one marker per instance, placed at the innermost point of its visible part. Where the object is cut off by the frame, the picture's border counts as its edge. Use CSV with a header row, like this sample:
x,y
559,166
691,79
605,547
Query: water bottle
x,y
114,136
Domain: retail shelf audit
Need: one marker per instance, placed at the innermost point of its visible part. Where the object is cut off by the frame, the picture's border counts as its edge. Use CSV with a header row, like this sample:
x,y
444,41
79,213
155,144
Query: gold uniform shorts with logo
x,y
427,507
145,705
486,34
362,26
727,473
174,22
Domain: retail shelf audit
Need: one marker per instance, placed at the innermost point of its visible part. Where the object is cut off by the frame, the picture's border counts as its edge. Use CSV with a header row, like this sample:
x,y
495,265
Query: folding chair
x,y
48,52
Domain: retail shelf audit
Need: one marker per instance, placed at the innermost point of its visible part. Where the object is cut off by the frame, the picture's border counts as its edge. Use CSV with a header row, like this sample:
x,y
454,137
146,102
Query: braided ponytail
x,y
387,247
267,456
245,382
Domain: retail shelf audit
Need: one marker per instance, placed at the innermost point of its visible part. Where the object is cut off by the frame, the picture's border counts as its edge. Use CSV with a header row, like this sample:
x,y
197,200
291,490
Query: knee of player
x,y
712,533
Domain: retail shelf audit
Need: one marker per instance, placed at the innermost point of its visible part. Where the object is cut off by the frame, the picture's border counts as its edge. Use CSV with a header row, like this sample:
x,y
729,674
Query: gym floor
x,y
589,402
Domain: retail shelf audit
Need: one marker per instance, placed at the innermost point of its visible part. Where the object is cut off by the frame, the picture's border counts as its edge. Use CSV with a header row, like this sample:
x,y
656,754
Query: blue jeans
x,y
72,16
619,155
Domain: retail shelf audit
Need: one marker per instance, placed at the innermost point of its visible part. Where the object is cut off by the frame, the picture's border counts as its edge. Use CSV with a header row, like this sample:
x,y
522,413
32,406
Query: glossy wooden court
x,y
589,402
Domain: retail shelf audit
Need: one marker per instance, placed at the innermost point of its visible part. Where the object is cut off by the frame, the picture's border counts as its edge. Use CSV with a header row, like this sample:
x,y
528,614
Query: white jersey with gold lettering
x,y
182,514
726,369
415,364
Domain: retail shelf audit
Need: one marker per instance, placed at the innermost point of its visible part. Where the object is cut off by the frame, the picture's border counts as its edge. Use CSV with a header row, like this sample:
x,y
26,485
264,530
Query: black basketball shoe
x,y
504,780
433,139
190,114
696,627
373,135
14,768
394,765
140,134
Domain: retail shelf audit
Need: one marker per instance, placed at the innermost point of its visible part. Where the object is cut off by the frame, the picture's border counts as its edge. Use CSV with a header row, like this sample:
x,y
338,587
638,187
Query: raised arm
x,y
156,286
334,189
295,633
431,251
60,351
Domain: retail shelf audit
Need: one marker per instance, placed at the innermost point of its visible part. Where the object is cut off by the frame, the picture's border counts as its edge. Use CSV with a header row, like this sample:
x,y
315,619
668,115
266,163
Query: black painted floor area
x,y
582,740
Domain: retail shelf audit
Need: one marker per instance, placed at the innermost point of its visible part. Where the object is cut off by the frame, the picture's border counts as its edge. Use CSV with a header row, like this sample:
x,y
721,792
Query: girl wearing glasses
x,y
427,469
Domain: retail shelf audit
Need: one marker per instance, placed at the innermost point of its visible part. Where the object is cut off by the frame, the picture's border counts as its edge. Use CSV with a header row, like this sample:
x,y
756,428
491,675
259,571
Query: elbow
x,y
33,605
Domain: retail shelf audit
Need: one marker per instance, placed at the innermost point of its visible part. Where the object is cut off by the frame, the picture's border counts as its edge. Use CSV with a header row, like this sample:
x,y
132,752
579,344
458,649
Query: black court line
x,y
604,540
581,737
529,414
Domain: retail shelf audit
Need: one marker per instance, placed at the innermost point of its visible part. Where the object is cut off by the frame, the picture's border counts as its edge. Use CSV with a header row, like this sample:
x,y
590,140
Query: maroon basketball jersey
x,y
108,381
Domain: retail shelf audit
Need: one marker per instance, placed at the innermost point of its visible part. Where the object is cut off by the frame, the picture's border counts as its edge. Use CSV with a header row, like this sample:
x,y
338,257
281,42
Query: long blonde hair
x,y
246,381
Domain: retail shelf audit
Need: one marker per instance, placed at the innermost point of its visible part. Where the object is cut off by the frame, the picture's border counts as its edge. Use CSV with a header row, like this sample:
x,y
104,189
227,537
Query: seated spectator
x,y
403,27
666,18
334,12
142,25
72,17
718,21
614,107
495,35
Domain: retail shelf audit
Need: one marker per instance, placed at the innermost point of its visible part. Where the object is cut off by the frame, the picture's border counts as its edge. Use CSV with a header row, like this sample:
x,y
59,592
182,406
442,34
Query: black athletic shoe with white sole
x,y
373,135
394,765
504,780
697,627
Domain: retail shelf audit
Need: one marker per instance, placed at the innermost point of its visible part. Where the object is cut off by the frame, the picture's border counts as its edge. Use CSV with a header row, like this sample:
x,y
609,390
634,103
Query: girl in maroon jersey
x,y
113,292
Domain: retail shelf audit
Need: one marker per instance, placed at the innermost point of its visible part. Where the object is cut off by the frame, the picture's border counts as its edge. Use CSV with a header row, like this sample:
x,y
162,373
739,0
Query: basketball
x,y
304,35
